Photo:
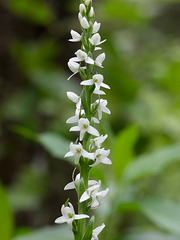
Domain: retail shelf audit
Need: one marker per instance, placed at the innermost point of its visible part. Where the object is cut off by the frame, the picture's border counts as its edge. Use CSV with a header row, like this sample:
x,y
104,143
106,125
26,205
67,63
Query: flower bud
x,y
84,23
91,12
87,2
82,8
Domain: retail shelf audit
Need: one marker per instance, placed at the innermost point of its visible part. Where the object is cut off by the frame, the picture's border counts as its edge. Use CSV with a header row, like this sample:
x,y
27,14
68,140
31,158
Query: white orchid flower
x,y
100,59
101,156
96,27
91,12
74,67
77,151
68,215
102,107
97,79
75,98
82,8
87,2
97,231
84,22
72,185
96,40
82,56
84,126
76,37
96,142
96,197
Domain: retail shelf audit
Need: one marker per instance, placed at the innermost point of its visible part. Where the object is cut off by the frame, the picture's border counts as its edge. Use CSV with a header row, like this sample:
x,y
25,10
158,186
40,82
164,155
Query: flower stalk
x,y
86,150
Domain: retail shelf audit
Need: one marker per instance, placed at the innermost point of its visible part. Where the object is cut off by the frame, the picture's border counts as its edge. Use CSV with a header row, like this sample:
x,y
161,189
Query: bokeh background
x,y
143,69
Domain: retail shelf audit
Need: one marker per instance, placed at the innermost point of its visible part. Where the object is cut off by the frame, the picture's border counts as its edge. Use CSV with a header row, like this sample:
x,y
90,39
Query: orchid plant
x,y
86,150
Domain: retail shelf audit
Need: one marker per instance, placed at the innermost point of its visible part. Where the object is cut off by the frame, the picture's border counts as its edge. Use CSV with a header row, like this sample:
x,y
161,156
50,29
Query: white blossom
x,y
97,79
75,118
84,23
82,56
93,194
77,151
101,156
96,27
97,231
91,12
82,8
72,185
84,126
102,107
96,40
96,142
100,59
87,2
68,215
74,67
76,37
75,98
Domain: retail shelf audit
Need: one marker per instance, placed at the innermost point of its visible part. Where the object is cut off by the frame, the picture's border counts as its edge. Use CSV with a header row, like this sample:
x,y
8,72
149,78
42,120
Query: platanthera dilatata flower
x,y
93,194
97,79
100,59
77,151
68,215
96,142
84,126
96,40
101,156
76,37
102,108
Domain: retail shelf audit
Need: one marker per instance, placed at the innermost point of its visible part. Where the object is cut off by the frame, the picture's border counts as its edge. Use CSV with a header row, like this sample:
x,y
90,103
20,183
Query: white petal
x,y
84,197
97,48
93,131
89,61
80,216
95,204
73,119
99,92
98,229
106,161
87,154
87,82
105,85
105,109
74,129
73,96
96,27
60,220
101,42
92,182
95,120
84,23
69,186
69,154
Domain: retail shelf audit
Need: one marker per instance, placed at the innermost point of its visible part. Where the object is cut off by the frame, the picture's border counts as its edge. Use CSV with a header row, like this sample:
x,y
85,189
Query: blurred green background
x,y
143,69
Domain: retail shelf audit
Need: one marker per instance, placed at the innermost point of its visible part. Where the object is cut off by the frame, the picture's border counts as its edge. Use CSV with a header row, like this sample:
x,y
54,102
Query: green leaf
x,y
6,219
55,144
151,163
53,233
89,230
124,149
164,213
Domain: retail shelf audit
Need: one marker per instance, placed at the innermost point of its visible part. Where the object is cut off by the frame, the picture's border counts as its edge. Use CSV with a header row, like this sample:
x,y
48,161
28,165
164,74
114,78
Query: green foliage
x,y
124,149
152,163
164,213
6,218
54,143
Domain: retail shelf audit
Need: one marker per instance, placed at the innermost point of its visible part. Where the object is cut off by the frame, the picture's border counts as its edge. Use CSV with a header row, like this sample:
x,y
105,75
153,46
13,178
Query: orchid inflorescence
x,y
86,150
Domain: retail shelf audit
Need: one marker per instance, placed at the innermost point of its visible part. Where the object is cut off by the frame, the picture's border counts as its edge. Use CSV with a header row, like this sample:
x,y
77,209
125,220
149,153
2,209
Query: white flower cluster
x,y
84,63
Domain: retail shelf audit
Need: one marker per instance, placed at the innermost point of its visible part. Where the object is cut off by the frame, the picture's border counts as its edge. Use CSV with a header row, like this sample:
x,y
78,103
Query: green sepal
x,y
89,7
89,230
66,203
